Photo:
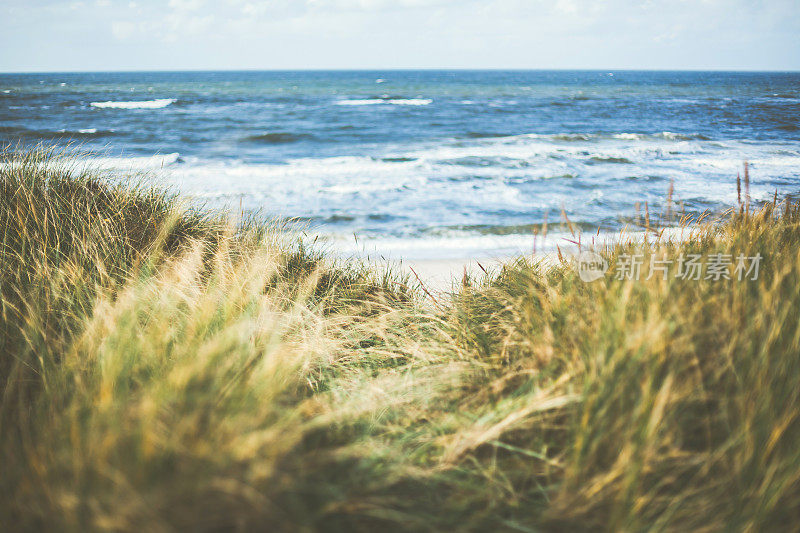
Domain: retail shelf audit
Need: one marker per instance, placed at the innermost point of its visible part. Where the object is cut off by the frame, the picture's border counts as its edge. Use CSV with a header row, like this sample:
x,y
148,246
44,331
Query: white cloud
x,y
123,30
566,6
377,5
186,5
408,33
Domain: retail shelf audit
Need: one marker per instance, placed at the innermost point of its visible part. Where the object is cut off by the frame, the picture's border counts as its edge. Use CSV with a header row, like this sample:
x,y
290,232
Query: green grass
x,y
162,368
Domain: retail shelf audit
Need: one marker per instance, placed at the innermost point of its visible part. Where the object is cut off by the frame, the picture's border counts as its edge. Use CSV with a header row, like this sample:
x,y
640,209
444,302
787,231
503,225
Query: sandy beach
x,y
441,275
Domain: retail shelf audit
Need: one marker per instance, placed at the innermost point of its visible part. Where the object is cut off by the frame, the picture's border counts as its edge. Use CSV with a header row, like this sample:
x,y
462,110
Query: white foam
x,y
113,165
453,245
670,136
127,164
146,104
370,101
86,131
391,101
457,244
451,183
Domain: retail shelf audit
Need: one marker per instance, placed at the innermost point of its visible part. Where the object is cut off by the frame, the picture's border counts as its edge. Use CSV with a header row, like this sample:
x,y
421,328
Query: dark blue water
x,y
428,163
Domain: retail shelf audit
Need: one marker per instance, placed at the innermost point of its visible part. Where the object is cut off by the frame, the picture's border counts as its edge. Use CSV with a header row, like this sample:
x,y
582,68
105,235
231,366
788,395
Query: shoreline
x,y
445,274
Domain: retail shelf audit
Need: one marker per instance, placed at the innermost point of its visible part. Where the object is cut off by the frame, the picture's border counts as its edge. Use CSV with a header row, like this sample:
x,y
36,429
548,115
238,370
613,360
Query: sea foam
x,y
146,104
134,164
391,101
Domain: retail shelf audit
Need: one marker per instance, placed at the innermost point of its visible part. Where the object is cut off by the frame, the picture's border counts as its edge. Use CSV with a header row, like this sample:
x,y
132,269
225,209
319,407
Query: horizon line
x,y
407,69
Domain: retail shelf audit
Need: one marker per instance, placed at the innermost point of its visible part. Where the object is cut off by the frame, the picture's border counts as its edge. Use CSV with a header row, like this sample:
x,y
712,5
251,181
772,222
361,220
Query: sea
x,y
428,164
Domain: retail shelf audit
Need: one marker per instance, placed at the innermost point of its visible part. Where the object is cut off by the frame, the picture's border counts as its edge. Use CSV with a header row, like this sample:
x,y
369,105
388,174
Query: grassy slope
x,y
160,371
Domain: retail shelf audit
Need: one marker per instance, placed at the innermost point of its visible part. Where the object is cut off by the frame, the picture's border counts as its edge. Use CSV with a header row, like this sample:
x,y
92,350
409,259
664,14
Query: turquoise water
x,y
428,163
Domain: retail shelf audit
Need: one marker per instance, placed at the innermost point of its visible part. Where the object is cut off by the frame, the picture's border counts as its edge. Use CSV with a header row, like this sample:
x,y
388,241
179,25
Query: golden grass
x,y
162,370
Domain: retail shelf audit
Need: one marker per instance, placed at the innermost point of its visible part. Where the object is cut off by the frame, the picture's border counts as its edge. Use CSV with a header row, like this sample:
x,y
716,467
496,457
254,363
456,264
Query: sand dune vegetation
x,y
164,367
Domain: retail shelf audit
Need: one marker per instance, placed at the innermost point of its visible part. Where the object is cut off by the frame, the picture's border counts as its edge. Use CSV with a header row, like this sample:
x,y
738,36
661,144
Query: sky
x,y
104,35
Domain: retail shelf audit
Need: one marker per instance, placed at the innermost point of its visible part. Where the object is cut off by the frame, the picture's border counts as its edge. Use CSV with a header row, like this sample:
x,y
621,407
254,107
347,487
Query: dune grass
x,y
163,369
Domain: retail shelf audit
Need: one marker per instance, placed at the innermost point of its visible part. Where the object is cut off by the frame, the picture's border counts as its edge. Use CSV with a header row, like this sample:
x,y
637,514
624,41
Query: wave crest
x,y
13,131
144,104
390,101
277,137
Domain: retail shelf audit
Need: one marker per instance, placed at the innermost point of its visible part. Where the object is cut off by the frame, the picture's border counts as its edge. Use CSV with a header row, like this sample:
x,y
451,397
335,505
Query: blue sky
x,y
42,35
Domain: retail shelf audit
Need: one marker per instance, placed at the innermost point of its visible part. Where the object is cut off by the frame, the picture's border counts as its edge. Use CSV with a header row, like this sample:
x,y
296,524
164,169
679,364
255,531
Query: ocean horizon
x,y
427,164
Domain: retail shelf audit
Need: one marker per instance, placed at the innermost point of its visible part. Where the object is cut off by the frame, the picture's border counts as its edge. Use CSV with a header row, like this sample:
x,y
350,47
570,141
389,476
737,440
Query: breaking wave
x,y
389,101
46,134
145,104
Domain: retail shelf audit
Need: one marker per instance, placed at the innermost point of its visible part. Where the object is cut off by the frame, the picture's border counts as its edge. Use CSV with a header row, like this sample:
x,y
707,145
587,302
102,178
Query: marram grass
x,y
162,369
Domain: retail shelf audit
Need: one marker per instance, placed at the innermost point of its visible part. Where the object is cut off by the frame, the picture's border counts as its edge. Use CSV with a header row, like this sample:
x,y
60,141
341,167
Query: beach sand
x,y
442,275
